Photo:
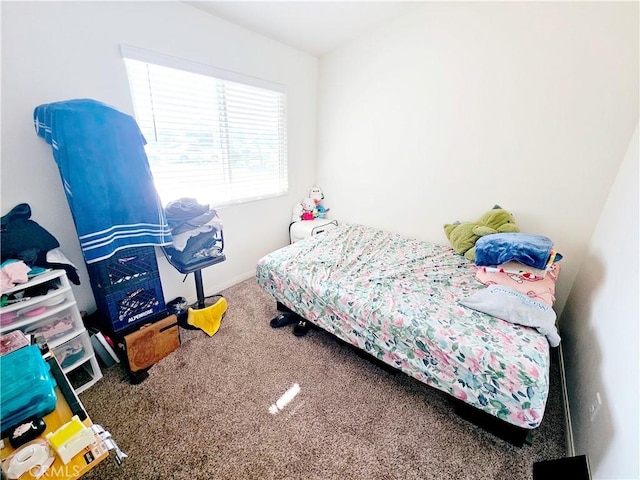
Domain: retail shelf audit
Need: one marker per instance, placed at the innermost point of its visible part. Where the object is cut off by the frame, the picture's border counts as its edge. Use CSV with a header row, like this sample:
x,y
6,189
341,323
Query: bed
x,y
397,299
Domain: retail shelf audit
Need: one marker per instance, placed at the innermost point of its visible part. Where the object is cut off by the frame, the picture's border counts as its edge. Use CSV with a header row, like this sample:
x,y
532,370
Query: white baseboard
x,y
218,287
571,451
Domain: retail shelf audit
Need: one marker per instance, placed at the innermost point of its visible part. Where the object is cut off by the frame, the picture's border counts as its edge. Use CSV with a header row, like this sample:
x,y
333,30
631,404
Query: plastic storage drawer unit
x,y
74,352
27,387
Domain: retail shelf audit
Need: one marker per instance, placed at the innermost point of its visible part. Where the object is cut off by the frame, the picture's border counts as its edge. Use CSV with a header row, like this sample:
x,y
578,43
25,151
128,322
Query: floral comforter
x,y
397,299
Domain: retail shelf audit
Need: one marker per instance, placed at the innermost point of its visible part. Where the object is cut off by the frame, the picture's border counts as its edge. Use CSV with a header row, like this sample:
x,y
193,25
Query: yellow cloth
x,y
208,319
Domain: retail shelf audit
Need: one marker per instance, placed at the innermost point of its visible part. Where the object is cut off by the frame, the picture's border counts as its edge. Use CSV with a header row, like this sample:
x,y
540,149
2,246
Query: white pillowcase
x,y
514,307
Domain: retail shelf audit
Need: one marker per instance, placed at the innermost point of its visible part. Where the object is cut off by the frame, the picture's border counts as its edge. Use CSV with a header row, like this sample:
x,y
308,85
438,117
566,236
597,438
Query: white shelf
x,y
16,307
26,321
91,369
56,309
37,280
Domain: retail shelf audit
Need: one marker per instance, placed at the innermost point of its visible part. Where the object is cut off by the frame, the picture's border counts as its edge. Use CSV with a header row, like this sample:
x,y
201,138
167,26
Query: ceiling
x,y
315,27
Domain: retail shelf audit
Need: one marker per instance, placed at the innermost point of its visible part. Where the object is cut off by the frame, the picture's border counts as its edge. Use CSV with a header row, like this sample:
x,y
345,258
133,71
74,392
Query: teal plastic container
x,y
26,387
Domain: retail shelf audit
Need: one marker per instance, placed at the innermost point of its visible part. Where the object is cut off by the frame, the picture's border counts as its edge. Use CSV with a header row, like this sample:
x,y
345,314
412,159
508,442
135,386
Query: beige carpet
x,y
204,412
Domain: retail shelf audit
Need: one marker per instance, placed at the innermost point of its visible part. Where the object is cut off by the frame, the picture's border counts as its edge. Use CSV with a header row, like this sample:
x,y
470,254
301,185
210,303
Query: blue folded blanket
x,y
498,248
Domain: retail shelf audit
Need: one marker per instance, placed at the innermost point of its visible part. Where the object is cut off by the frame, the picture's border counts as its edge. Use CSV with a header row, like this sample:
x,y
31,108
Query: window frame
x,y
150,57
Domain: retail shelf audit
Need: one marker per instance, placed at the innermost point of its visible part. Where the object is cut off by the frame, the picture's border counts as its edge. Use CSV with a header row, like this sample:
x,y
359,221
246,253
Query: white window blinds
x,y
218,140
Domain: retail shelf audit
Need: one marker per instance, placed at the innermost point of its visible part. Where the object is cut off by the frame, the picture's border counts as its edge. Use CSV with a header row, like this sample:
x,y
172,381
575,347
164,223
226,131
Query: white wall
x,y
455,107
53,51
600,329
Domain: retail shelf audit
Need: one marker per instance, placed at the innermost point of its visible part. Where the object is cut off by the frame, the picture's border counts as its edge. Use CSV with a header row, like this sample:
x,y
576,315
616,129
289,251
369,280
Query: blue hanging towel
x,y
106,177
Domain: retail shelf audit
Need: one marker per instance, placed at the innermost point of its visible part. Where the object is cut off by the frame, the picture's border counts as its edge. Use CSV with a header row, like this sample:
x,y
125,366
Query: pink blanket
x,y
542,289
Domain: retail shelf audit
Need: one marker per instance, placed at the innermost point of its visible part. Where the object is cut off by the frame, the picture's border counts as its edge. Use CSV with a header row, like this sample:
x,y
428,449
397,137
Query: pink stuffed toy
x,y
308,209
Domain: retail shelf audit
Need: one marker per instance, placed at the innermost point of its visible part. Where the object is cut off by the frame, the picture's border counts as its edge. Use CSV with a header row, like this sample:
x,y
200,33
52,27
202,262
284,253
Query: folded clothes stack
x,y
520,271
195,228
521,253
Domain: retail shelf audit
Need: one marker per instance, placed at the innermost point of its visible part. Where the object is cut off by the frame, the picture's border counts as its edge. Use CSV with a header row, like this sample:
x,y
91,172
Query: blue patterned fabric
x,y
397,298
498,248
105,174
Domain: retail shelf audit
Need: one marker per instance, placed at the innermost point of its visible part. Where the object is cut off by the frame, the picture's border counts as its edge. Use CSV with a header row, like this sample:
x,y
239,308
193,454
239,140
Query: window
x,y
211,134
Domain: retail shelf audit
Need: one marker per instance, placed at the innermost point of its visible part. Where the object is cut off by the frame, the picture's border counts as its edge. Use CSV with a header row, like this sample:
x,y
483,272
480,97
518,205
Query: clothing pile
x,y
533,254
25,246
196,230
520,271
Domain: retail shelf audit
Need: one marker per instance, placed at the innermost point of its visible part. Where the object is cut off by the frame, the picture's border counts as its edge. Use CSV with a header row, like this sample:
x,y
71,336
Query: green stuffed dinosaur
x,y
463,236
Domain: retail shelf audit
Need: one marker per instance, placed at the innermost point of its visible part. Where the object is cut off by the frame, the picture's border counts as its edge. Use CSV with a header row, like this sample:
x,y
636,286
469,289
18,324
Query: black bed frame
x,y
513,434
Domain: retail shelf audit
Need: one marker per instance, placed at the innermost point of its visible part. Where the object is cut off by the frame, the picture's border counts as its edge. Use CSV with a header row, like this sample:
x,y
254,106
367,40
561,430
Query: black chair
x,y
195,265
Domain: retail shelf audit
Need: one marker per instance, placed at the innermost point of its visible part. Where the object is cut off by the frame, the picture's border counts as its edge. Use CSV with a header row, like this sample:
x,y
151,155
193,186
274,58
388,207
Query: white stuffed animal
x,y
310,208
316,194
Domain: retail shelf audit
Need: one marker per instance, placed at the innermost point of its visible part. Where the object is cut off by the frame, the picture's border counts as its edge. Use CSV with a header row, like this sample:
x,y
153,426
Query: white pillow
x,y
514,307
